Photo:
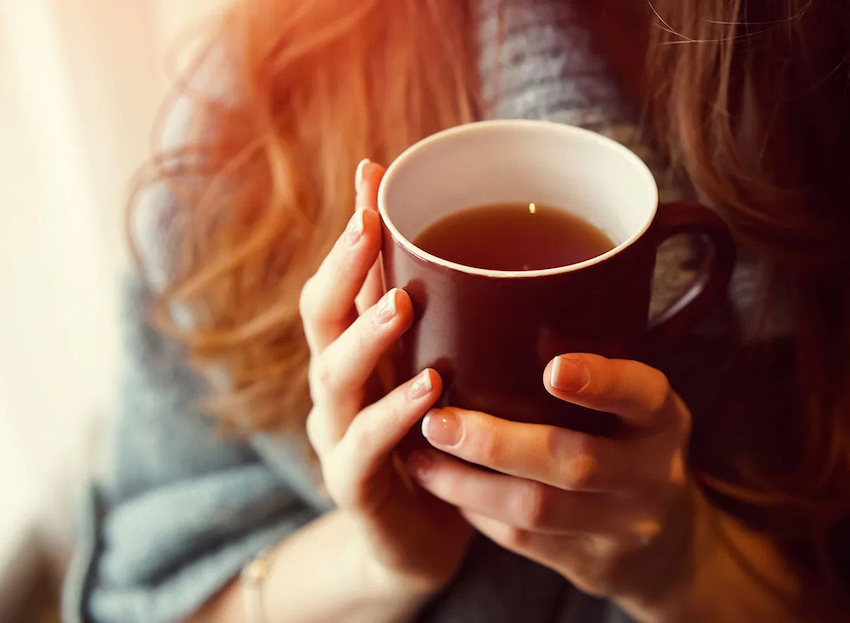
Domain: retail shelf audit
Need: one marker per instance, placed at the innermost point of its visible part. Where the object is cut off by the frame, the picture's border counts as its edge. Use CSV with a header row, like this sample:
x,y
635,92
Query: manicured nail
x,y
569,375
420,464
386,309
421,387
442,428
358,174
355,229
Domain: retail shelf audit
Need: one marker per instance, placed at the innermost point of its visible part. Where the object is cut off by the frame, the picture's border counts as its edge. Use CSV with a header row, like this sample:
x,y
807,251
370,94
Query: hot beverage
x,y
513,236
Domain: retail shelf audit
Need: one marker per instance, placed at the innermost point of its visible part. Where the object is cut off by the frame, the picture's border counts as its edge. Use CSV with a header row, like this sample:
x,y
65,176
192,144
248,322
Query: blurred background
x,y
80,85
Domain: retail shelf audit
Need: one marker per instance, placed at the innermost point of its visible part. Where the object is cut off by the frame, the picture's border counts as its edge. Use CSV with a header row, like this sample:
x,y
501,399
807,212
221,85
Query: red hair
x,y
749,98
321,85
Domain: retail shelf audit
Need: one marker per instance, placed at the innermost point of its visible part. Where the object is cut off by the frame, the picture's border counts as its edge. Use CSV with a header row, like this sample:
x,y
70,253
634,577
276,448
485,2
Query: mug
x,y
490,333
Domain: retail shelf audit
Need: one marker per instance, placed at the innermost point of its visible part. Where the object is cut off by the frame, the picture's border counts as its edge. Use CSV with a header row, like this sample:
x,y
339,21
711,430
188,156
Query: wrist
x,y
384,581
659,577
717,570
399,591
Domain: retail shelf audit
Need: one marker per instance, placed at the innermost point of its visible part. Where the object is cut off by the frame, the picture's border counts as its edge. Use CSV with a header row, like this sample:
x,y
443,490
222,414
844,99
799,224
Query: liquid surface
x,y
513,236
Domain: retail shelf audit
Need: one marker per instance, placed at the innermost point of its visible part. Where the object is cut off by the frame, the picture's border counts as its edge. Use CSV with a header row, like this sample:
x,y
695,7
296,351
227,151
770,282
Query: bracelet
x,y
253,577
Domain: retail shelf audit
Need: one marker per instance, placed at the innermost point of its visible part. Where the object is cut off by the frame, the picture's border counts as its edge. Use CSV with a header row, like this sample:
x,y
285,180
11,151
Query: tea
x,y
513,236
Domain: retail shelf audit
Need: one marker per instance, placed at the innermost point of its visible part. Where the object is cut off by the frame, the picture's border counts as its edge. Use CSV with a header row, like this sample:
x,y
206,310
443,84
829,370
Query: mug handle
x,y
712,281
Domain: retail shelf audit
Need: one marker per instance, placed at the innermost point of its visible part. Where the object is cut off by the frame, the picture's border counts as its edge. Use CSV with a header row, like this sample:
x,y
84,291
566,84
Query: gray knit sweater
x,y
179,510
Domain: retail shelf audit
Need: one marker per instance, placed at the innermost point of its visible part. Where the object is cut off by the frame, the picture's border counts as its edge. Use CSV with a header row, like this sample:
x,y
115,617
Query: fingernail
x,y
422,386
358,174
569,375
442,428
386,309
420,464
355,229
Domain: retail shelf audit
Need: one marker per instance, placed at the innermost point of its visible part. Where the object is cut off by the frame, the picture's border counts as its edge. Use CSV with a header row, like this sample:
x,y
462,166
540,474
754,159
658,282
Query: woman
x,y
728,499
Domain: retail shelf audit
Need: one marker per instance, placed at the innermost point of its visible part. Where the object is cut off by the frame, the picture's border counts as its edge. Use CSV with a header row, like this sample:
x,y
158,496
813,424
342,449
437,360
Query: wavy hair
x,y
748,98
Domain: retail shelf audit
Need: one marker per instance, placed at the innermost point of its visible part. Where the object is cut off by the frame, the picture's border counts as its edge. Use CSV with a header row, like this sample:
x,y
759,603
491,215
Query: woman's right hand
x,y
416,541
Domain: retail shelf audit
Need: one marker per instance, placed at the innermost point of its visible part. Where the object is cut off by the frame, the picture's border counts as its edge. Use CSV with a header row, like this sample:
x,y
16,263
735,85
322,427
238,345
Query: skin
x,y
390,545
616,517
349,325
582,505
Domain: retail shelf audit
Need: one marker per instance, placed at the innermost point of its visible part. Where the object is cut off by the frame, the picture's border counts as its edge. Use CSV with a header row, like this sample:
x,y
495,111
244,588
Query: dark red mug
x,y
490,333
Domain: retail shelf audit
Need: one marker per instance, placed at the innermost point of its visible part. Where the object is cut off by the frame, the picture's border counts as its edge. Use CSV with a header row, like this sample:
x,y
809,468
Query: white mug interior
x,y
490,162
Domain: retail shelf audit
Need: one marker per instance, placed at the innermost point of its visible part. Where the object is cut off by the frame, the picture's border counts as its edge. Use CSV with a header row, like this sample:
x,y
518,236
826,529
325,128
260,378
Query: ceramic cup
x,y
490,333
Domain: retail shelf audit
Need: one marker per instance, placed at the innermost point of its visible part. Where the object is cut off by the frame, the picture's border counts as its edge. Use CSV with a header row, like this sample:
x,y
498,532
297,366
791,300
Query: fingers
x,y
327,300
338,375
639,394
373,435
551,455
522,503
524,542
372,288
575,557
367,180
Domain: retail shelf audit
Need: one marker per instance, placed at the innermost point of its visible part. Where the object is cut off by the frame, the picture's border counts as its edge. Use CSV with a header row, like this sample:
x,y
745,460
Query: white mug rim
x,y
479,126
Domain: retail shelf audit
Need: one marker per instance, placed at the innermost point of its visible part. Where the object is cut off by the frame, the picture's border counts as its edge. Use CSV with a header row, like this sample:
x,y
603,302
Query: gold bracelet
x,y
253,577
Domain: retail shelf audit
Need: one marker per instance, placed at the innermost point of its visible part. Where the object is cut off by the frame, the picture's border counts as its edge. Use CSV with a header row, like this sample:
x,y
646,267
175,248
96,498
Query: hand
x,y
605,513
415,539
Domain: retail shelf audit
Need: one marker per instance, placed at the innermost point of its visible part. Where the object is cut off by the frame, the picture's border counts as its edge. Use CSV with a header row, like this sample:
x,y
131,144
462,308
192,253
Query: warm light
x,y
532,208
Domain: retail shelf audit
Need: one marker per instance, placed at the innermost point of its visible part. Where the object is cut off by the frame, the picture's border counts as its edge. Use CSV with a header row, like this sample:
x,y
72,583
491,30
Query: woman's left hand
x,y
609,514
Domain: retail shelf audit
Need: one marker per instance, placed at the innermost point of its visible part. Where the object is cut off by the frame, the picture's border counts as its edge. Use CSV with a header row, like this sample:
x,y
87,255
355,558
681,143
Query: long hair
x,y
748,98
319,86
